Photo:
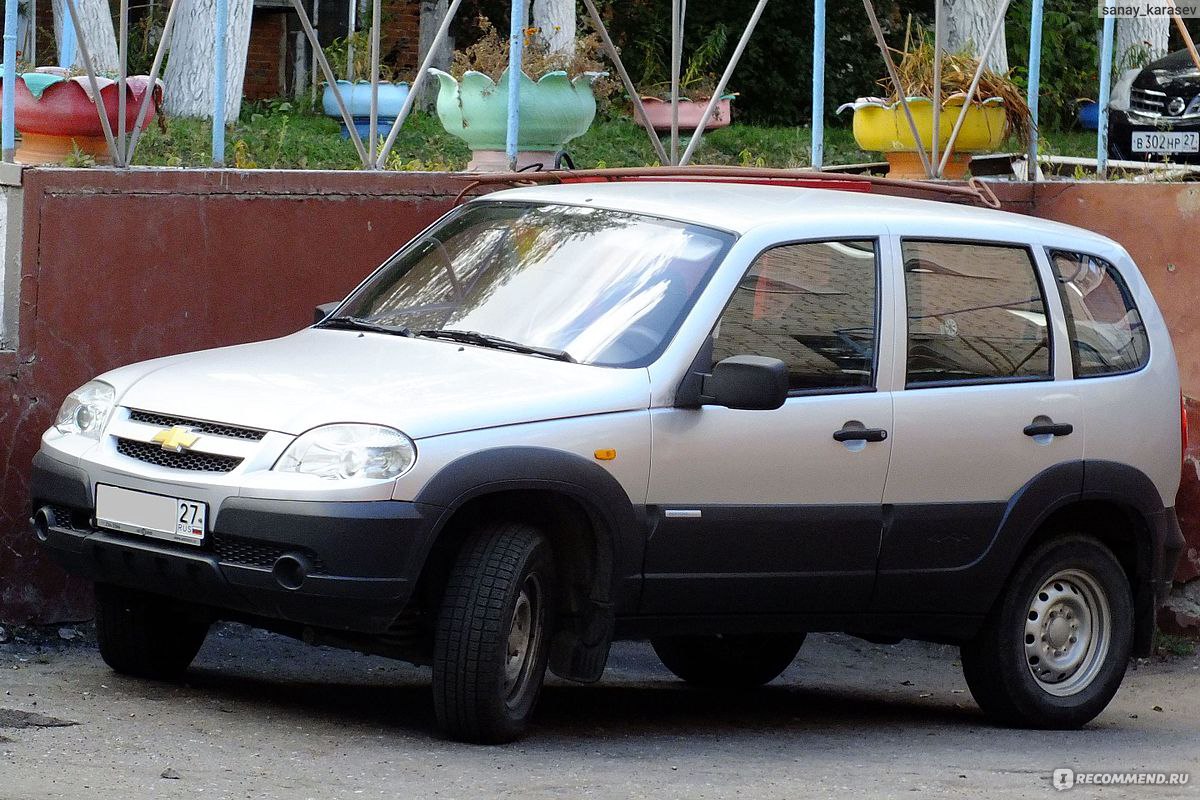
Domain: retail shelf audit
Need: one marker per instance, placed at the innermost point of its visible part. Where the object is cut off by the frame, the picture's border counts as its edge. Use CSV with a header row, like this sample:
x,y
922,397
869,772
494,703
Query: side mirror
x,y
752,383
324,310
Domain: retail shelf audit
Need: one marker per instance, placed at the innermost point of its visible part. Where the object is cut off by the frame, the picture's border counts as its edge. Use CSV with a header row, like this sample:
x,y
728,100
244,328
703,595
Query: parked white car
x,y
713,415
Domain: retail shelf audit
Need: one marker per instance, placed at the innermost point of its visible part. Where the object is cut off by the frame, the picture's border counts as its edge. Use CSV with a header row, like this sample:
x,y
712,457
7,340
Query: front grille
x,y
211,428
1148,102
256,553
189,459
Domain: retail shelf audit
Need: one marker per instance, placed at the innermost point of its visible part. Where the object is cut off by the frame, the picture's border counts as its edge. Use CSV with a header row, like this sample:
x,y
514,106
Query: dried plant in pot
x,y
697,84
57,118
996,111
558,97
351,56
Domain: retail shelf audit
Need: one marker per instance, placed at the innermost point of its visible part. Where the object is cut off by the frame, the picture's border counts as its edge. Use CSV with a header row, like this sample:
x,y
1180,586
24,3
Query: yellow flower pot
x,y
882,127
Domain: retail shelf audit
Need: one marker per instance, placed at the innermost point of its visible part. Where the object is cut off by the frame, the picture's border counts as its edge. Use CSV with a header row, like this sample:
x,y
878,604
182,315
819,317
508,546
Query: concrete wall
x,y
119,266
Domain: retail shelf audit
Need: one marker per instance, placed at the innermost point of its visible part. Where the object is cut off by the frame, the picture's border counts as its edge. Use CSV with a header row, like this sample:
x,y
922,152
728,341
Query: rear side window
x,y
811,305
1107,334
976,314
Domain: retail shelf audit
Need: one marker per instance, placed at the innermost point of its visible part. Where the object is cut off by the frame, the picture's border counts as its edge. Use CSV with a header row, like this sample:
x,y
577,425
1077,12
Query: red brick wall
x,y
399,39
265,66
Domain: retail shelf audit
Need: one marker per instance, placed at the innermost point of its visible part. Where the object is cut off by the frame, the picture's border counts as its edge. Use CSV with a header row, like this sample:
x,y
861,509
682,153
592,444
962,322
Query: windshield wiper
x,y
359,324
495,342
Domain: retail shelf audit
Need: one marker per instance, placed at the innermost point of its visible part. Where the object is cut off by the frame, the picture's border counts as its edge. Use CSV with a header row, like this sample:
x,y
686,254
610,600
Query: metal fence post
x,y
8,118
219,58
516,41
818,86
1035,86
1106,59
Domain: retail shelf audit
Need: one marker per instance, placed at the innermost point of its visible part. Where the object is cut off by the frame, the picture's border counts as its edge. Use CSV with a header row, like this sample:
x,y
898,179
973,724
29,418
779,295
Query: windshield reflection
x,y
606,287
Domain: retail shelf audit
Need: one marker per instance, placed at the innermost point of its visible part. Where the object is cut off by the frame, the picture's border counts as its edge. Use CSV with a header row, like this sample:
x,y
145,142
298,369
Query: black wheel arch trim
x,y
618,526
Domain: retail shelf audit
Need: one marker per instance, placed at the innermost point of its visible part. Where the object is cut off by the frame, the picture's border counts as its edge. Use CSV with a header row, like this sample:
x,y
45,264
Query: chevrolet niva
x,y
713,415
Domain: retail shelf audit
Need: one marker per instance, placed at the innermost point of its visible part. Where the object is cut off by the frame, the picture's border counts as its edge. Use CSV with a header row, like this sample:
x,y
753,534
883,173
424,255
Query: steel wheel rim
x,y
1068,632
524,641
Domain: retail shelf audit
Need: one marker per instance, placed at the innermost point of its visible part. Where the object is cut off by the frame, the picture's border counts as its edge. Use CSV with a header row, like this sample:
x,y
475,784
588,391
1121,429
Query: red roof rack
x,y
975,190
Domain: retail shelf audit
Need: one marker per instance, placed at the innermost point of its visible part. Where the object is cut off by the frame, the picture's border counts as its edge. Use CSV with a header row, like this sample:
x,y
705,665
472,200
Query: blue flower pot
x,y
1089,115
357,97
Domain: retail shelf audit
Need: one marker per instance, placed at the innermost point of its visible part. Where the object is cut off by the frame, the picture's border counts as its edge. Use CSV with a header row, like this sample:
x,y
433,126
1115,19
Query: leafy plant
x,y
78,158
489,55
915,71
354,52
1070,55
699,77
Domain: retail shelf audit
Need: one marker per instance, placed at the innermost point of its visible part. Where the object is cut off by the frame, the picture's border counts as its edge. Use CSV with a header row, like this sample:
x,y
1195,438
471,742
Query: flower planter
x,y
881,126
554,110
55,115
357,97
658,111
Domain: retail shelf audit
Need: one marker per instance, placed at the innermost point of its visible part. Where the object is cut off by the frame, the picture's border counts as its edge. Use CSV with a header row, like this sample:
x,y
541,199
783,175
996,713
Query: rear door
x,y
979,416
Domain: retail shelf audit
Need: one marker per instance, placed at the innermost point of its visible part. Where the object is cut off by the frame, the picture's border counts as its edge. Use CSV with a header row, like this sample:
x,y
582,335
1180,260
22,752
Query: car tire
x,y
1054,649
144,635
734,661
493,634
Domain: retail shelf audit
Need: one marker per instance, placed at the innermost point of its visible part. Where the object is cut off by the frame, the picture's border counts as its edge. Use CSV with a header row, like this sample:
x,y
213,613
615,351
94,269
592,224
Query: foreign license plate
x,y
1166,141
173,518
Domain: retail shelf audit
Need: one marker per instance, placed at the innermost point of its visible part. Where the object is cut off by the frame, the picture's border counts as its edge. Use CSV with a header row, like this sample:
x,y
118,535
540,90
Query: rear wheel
x,y
1054,650
493,634
145,635
732,661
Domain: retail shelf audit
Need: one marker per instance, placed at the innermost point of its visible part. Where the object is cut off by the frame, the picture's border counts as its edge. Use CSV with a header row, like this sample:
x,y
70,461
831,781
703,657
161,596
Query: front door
x,y
779,511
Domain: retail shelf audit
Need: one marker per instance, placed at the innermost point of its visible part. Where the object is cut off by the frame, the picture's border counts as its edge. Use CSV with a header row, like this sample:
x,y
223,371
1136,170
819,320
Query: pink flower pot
x,y
690,111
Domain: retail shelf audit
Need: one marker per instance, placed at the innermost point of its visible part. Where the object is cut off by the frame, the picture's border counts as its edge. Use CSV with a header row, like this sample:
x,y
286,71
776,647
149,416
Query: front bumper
x,y
1122,125
362,558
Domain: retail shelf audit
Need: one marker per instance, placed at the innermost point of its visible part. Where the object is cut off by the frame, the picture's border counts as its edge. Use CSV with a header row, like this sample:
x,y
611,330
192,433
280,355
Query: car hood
x,y
1175,71
422,387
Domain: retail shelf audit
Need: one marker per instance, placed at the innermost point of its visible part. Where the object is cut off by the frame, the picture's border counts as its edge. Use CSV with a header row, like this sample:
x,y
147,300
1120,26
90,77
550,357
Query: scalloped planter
x,y
882,127
658,111
55,114
554,110
357,96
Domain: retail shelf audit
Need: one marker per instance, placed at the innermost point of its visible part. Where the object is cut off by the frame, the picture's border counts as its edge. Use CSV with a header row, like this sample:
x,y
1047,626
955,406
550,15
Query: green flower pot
x,y
554,110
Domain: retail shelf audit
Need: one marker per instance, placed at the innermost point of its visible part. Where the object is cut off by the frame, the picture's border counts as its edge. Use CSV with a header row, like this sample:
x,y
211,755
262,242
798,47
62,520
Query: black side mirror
x,y
753,383
324,310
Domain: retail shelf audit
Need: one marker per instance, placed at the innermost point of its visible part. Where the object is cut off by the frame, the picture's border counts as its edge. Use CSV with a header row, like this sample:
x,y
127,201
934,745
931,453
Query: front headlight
x,y
86,409
350,451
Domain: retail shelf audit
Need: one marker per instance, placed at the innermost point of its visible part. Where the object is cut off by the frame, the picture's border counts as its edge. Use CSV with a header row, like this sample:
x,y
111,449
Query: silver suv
x,y
717,416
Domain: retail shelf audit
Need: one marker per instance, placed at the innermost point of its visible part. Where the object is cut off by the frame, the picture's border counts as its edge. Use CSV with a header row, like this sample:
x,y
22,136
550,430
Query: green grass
x,y
278,136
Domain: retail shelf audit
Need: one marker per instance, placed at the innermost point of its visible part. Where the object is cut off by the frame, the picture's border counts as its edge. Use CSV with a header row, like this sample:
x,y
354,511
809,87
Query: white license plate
x,y
173,518
1166,141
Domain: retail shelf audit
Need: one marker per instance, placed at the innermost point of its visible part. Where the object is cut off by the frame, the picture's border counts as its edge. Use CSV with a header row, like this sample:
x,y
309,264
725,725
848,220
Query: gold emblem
x,y
176,439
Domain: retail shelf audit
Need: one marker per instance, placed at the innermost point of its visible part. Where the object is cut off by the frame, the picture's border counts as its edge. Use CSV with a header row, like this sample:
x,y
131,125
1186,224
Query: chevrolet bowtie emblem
x,y
176,439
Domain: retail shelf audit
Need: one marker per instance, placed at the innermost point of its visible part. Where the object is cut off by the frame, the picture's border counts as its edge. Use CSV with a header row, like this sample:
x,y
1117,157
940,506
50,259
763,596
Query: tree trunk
x,y
556,21
96,31
188,90
968,23
432,14
1140,40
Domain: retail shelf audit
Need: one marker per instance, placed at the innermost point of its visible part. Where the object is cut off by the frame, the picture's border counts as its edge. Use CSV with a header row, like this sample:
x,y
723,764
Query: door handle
x,y
860,435
1049,429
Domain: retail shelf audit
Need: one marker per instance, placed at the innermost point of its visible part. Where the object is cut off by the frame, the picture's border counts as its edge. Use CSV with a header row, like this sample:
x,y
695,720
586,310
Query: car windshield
x,y
590,285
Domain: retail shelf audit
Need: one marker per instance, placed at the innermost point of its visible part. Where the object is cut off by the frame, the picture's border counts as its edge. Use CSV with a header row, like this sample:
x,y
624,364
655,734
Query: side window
x,y
975,313
812,306
1107,334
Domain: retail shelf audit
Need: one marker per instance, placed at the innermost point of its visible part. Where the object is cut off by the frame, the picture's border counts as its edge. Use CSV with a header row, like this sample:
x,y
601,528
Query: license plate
x,y
1166,141
173,518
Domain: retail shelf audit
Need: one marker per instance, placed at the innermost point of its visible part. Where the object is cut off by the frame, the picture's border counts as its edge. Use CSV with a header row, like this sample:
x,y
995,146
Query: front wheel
x,y
1054,650
733,661
493,634
145,635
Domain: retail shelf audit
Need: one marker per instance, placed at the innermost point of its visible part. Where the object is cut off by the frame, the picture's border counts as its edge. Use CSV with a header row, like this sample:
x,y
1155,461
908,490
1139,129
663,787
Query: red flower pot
x,y
64,117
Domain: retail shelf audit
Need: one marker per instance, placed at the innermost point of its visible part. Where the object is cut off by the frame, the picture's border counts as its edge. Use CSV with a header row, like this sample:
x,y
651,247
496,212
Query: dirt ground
x,y
261,716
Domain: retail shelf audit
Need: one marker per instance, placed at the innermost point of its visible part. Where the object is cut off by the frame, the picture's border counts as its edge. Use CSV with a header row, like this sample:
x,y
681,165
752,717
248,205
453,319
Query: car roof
x,y
741,207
